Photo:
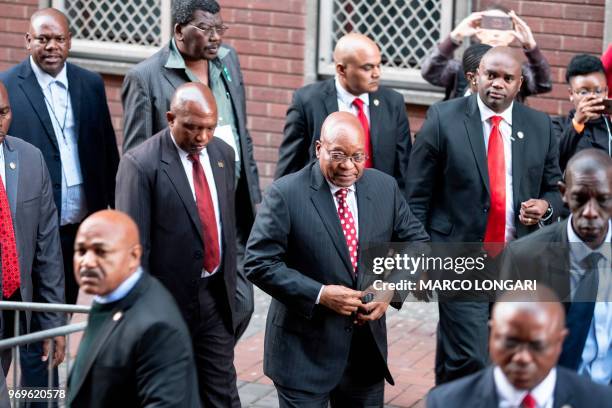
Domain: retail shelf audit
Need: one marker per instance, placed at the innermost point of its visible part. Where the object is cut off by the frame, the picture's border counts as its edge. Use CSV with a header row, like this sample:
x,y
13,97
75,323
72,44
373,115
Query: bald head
x,y
357,60
341,124
48,40
106,251
527,332
192,117
589,161
5,112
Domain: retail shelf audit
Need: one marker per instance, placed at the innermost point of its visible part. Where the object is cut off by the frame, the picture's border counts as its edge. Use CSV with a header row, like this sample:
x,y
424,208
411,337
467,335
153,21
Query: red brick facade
x,y
270,36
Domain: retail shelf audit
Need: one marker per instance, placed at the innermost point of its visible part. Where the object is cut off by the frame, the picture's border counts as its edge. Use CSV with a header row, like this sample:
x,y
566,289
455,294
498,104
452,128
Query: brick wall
x,y
561,29
270,35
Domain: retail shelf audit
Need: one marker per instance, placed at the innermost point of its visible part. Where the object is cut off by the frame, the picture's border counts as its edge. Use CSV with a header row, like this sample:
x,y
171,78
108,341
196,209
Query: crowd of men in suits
x,y
170,268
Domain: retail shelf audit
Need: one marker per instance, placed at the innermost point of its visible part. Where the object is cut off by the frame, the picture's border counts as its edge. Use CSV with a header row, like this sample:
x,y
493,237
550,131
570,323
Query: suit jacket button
x,y
484,210
198,255
57,185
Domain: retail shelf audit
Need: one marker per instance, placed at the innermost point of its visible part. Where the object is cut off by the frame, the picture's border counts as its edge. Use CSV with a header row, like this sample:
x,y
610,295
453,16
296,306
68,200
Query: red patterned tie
x,y
10,260
366,130
528,402
496,222
206,211
348,226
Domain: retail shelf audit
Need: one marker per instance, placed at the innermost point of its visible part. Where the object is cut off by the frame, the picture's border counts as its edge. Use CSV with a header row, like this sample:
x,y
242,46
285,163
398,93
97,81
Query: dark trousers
x,y
213,346
462,339
67,236
34,371
244,293
362,384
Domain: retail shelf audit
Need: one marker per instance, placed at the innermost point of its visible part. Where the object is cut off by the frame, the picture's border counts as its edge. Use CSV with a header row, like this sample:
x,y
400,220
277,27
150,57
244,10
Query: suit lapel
x,y
473,126
488,390
365,206
172,166
31,89
75,89
563,392
173,77
11,171
323,202
375,120
518,145
330,99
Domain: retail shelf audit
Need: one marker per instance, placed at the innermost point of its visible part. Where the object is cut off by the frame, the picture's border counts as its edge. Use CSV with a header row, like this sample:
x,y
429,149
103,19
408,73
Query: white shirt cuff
x,y
319,295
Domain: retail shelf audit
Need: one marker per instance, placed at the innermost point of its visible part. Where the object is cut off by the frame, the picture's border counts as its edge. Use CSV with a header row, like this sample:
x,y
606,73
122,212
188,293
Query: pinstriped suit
x,y
297,245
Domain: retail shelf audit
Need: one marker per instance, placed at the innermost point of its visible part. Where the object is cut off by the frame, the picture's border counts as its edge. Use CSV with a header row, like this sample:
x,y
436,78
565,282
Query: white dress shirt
x,y
2,168
510,397
188,167
57,100
505,128
345,101
351,201
596,359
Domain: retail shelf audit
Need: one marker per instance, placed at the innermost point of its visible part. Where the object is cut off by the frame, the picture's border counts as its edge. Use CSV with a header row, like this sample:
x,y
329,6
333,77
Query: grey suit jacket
x,y
478,391
153,189
35,222
296,246
146,94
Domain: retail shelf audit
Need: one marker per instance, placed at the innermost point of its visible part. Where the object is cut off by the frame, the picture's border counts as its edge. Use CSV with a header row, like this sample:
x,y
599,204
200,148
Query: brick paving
x,y
411,338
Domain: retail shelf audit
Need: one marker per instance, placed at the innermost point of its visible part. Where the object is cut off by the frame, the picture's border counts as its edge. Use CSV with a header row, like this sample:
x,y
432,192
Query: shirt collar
x,y
486,113
334,188
122,290
183,154
44,79
580,250
176,60
542,392
347,97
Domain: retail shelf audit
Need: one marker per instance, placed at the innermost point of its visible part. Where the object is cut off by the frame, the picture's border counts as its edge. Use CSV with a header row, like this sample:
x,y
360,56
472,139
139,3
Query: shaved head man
x,y
134,324
356,90
527,333
179,186
485,169
325,342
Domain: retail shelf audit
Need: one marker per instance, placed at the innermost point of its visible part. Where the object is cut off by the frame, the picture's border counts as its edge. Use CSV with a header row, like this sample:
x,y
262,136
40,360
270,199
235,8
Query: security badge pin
x,y
376,102
12,165
520,134
220,163
117,316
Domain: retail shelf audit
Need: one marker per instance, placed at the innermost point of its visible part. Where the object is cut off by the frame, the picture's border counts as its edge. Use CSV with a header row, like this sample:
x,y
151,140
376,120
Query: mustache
x,y
91,273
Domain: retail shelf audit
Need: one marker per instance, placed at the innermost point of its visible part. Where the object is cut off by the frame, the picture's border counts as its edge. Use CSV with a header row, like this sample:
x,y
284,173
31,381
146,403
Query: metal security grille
x,y
116,21
405,30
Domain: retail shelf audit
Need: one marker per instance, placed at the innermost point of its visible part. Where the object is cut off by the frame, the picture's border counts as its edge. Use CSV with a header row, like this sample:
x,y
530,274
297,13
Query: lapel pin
x,y
376,102
12,165
220,164
117,316
520,134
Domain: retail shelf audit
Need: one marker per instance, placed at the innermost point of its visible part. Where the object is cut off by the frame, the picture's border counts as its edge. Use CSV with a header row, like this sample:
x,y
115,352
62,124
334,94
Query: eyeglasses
x,y
44,40
586,92
208,31
339,157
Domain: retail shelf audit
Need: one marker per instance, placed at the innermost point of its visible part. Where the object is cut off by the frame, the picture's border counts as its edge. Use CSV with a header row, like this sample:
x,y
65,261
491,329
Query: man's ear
x,y
317,148
562,189
170,117
178,32
340,69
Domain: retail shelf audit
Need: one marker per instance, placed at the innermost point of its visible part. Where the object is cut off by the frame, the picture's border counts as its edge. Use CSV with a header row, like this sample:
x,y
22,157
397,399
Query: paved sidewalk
x,y
411,337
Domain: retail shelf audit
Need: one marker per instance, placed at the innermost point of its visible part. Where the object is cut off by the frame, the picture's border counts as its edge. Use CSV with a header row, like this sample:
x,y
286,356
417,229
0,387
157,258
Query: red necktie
x,y
206,211
366,130
348,226
10,260
496,222
529,402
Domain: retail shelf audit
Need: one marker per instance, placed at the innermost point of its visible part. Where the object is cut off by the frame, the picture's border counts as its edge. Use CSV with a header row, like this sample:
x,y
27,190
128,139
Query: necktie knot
x,y
529,402
496,120
358,103
342,193
194,158
592,260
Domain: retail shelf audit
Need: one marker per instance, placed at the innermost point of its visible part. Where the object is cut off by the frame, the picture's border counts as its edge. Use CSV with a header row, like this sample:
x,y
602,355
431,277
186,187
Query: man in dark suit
x,y
179,188
527,330
196,54
355,89
306,250
136,350
574,258
483,169
61,109
31,266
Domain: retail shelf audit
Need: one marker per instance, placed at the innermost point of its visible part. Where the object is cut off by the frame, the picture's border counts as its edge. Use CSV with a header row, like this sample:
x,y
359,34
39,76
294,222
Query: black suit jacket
x,y
448,188
478,391
142,356
98,154
153,189
296,246
545,257
389,129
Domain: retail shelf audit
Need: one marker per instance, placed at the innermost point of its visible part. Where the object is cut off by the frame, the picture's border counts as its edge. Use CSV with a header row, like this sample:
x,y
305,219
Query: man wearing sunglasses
x,y
196,54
